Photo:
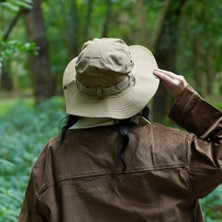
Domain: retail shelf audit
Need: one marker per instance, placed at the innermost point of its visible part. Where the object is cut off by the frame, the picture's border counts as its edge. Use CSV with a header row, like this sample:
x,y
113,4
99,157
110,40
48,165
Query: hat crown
x,y
103,62
109,79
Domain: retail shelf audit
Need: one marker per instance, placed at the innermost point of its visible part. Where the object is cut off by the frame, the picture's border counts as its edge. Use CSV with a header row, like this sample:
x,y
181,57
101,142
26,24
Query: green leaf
x,y
10,6
24,4
5,164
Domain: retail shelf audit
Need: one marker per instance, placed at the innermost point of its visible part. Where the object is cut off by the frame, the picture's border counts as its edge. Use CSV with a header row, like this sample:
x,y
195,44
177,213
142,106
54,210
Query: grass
x,y
7,103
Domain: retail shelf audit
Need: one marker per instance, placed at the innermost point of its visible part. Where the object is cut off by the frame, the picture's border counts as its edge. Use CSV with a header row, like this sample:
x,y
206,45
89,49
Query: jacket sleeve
x,y
204,143
28,211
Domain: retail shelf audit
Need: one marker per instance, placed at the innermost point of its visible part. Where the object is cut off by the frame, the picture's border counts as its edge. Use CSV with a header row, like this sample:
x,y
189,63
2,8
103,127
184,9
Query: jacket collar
x,y
85,122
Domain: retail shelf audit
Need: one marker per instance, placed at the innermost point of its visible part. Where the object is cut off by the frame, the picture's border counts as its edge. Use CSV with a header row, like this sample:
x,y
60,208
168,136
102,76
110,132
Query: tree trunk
x,y
107,19
43,81
209,73
141,20
88,19
165,52
74,29
198,65
6,78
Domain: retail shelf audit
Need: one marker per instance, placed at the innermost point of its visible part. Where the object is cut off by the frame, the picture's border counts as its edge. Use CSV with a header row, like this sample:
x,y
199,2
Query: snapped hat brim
x,y
122,105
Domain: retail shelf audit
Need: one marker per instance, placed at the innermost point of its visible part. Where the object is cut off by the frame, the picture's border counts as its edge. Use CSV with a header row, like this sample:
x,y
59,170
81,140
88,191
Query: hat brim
x,y
122,105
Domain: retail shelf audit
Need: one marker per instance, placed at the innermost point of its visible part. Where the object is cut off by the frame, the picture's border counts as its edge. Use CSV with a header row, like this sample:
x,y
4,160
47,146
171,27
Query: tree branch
x,y
11,26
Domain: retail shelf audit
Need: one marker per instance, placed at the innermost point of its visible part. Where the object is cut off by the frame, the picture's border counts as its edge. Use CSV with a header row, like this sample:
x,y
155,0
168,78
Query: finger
x,y
165,72
163,77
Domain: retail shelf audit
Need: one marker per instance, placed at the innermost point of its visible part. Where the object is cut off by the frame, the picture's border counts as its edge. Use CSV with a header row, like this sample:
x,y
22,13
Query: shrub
x,y
24,131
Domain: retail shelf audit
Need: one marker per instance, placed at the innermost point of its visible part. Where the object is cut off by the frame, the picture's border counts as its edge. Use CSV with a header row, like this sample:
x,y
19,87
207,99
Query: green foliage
x,y
7,104
212,206
24,131
13,48
15,5
200,43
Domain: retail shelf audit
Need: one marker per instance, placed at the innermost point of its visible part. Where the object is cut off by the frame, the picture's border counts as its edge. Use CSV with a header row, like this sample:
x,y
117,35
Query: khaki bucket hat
x,y
109,79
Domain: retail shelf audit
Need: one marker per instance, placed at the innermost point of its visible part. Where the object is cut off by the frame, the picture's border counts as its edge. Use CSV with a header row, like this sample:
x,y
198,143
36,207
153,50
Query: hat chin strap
x,y
107,91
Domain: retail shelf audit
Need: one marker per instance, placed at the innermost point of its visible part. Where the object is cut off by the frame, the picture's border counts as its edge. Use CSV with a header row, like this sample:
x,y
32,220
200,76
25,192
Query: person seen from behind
x,y
110,163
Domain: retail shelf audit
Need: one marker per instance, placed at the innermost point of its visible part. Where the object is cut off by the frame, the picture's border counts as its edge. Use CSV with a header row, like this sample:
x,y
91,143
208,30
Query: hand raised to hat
x,y
173,83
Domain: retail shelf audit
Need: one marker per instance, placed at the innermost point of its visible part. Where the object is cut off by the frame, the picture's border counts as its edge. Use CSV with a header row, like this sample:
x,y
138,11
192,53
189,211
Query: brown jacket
x,y
167,171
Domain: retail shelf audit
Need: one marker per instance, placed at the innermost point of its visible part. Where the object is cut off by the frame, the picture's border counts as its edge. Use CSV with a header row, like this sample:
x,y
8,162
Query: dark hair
x,y
123,129
70,121
121,125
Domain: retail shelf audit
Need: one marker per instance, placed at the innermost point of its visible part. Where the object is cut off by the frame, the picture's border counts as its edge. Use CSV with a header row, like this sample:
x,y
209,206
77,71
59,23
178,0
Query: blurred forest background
x,y
38,39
